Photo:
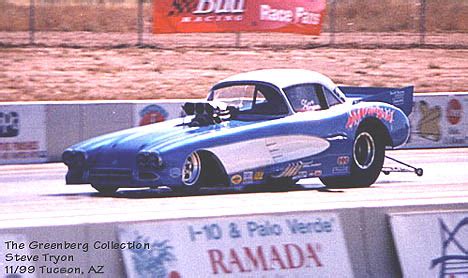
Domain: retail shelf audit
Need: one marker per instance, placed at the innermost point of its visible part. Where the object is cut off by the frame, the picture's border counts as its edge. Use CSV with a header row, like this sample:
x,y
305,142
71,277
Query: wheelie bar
x,y
388,170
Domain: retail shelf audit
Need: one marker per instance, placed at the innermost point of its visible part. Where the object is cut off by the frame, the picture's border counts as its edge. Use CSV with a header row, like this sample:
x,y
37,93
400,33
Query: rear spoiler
x,y
399,97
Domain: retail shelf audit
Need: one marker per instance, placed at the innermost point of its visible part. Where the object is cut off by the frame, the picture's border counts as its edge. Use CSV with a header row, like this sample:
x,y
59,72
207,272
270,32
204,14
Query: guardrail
x,y
35,132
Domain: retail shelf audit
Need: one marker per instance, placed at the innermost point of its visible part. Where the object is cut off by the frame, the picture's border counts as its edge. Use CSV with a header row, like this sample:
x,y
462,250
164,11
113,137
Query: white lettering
x,y
218,18
269,14
205,6
305,17
220,6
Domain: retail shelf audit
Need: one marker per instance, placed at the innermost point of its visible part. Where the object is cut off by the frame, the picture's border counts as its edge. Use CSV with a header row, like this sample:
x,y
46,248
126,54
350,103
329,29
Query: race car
x,y
265,127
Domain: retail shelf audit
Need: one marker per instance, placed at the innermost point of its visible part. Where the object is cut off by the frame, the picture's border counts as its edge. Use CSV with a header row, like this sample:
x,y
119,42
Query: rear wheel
x,y
105,190
367,161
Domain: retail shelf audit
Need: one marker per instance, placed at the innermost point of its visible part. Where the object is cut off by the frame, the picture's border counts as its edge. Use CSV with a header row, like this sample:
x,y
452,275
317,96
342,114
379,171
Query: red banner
x,y
210,16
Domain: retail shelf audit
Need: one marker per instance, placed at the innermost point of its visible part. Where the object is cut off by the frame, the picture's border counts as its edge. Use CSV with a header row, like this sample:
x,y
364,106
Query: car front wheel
x,y
191,174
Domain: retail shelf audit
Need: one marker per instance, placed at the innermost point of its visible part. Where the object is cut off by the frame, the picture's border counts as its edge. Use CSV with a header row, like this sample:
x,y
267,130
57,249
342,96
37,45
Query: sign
x,y
438,121
22,134
290,245
432,244
150,113
208,16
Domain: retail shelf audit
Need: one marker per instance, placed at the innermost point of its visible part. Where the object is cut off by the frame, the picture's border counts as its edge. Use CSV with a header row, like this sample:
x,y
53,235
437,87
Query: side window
x,y
303,97
260,98
332,100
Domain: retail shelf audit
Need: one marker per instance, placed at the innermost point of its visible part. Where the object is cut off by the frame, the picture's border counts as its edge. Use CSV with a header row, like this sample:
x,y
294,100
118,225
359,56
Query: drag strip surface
x,y
36,195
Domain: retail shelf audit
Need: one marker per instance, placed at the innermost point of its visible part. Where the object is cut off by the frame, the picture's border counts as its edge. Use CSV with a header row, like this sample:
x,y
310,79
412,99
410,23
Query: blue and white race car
x,y
270,127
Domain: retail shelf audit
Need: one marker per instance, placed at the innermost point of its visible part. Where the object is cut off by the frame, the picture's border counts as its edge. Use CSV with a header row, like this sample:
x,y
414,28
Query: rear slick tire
x,y
366,163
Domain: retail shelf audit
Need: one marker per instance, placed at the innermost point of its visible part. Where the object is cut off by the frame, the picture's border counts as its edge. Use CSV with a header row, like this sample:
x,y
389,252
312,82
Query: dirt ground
x,y
31,74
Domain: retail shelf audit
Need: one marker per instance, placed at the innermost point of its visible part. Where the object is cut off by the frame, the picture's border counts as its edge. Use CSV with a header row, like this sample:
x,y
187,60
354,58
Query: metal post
x,y
332,21
238,37
140,23
32,21
422,22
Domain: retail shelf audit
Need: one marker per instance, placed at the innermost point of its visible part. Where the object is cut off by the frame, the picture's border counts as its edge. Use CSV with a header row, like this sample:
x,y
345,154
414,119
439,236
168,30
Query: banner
x,y
212,16
432,244
290,245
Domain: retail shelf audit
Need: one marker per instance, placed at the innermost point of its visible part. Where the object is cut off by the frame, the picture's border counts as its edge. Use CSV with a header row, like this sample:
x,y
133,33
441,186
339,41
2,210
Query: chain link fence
x,y
124,23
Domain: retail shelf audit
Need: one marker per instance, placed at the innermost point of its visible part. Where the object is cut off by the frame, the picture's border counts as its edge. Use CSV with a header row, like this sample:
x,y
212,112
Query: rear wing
x,y
399,97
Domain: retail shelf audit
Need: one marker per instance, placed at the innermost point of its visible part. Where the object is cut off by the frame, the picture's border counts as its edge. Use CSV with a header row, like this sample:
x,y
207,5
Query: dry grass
x,y
401,15
29,74
351,15
91,18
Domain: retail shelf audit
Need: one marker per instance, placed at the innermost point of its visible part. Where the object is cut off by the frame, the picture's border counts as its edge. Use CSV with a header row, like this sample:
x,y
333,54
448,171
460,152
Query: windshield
x,y
255,99
239,96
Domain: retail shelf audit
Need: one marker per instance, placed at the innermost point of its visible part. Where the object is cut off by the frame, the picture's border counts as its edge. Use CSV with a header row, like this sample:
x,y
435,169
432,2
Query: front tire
x,y
191,175
366,163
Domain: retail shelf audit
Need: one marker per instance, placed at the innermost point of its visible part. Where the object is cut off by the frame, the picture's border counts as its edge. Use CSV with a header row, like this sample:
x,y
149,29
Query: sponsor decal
x,y
301,175
258,176
9,124
342,160
428,126
316,173
310,164
453,261
152,114
248,177
175,172
340,170
290,171
398,97
357,115
236,179
454,111
308,105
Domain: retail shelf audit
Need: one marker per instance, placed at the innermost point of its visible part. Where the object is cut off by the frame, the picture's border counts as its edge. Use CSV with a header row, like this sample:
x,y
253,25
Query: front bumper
x,y
122,177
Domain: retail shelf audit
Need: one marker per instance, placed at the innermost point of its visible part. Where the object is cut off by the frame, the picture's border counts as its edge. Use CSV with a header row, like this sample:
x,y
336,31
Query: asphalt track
x,y
36,195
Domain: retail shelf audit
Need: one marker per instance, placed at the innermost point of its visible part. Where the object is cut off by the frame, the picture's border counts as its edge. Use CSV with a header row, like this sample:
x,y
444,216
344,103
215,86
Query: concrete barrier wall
x,y
39,132
369,248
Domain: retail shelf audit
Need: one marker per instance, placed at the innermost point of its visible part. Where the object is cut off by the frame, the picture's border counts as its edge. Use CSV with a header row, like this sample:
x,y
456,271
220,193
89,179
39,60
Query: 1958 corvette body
x,y
263,127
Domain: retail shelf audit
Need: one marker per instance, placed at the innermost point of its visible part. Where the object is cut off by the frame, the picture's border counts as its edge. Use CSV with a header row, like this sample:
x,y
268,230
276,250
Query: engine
x,y
207,113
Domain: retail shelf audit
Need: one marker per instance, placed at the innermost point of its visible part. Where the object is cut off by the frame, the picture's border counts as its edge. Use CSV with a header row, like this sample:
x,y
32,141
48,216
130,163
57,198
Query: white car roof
x,y
283,78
